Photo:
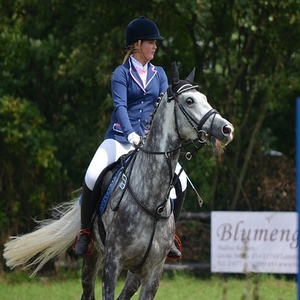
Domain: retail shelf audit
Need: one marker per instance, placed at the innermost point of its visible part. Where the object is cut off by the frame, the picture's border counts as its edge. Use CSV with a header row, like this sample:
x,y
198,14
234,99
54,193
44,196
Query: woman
x,y
136,85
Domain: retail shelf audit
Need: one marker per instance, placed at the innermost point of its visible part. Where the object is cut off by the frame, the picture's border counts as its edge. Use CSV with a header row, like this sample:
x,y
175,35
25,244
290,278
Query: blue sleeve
x,y
119,96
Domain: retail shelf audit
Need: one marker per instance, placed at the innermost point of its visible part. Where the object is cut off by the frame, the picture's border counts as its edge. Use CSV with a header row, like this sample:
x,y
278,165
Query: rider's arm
x,y
119,95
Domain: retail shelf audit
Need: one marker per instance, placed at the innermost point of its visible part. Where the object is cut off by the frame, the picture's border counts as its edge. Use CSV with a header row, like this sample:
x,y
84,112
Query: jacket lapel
x,y
151,73
135,76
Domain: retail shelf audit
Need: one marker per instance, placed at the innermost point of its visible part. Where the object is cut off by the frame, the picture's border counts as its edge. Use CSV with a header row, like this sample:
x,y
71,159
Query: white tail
x,y
51,239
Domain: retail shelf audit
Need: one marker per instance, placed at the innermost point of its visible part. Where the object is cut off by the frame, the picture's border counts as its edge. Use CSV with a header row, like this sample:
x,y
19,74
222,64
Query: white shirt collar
x,y
138,65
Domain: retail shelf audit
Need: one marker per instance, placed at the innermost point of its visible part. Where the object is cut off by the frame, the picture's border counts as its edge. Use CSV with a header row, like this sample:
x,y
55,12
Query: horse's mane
x,y
175,86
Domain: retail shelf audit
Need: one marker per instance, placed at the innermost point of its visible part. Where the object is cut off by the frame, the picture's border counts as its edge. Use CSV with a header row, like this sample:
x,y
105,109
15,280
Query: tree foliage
x,y
56,61
29,169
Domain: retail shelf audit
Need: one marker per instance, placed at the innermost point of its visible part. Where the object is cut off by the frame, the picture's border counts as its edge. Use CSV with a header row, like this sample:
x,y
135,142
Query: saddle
x,y
103,187
106,181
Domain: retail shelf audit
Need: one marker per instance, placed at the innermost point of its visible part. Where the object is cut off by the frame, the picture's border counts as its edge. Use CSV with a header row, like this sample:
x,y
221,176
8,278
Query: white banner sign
x,y
260,242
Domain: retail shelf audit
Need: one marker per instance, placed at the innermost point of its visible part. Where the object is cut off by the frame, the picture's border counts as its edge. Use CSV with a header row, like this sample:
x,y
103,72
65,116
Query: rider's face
x,y
146,51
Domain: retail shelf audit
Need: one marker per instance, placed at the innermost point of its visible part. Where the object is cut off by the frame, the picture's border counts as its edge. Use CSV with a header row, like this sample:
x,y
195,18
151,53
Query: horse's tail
x,y
51,239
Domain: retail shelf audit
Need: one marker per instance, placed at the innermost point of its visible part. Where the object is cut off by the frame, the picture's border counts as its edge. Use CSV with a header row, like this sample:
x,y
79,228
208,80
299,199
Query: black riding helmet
x,y
142,29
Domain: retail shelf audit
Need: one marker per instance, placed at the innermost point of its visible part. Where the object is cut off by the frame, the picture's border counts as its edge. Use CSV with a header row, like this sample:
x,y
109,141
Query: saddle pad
x,y
105,198
106,181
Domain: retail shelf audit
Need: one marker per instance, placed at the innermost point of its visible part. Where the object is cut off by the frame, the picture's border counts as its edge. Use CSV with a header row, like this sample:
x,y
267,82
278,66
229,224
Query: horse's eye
x,y
189,101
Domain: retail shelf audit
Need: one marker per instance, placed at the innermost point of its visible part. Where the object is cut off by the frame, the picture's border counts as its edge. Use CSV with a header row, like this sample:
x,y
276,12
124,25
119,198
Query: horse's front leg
x,y
90,270
110,274
150,282
131,286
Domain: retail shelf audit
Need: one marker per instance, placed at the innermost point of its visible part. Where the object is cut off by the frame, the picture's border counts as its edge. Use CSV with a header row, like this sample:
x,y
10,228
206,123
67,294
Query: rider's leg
x,y
180,189
178,203
108,152
85,236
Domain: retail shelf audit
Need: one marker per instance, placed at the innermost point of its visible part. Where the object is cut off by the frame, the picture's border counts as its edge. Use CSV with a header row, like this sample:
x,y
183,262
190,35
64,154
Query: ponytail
x,y
130,50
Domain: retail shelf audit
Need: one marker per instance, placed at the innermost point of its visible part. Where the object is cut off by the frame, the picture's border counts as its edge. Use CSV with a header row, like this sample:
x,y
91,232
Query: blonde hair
x,y
131,49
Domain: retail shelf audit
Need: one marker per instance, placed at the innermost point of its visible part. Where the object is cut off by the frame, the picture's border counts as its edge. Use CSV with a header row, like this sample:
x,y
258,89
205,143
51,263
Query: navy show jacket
x,y
133,102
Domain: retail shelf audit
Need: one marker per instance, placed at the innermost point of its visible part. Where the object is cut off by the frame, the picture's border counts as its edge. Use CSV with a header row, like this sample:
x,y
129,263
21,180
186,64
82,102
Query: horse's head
x,y
209,126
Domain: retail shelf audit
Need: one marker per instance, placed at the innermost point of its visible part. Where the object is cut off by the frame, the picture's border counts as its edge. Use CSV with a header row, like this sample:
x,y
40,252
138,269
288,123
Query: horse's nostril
x,y
226,129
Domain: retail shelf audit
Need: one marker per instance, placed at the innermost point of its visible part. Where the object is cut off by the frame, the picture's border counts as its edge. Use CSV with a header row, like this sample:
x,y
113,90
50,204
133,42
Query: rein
x,y
156,216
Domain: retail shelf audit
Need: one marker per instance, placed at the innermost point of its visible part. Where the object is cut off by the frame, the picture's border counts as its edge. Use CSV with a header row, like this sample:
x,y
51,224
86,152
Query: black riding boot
x,y
84,238
178,204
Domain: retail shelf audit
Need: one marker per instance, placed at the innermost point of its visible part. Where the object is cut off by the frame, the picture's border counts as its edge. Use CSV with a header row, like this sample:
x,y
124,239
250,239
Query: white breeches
x,y
108,152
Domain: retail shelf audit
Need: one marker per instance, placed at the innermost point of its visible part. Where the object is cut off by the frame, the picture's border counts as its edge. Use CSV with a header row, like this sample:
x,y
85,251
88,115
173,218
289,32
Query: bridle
x,y
203,136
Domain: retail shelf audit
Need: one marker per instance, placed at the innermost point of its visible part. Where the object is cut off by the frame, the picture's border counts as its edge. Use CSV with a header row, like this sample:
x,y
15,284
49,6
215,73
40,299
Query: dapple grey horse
x,y
138,223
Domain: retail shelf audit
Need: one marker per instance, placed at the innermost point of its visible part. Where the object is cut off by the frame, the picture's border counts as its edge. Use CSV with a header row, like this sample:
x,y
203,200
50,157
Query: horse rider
x,y
135,86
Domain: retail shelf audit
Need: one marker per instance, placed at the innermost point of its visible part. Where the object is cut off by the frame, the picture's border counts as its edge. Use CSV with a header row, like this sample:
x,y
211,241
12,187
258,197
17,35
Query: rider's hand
x,y
134,139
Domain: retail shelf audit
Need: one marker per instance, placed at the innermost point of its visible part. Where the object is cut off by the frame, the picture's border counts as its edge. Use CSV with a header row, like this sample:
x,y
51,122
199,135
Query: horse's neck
x,y
155,169
163,136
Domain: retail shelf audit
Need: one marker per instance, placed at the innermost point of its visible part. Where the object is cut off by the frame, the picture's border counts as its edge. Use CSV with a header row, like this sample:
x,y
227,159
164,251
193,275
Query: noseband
x,y
203,136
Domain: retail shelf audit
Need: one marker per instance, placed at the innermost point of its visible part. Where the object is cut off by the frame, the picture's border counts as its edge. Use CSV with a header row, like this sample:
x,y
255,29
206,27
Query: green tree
x,y
29,170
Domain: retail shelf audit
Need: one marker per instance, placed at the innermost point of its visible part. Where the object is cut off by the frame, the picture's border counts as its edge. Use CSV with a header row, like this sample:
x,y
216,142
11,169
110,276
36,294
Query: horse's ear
x,y
174,73
191,76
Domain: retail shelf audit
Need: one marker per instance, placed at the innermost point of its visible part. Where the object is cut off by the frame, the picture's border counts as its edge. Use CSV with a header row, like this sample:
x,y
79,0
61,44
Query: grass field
x,y
178,286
